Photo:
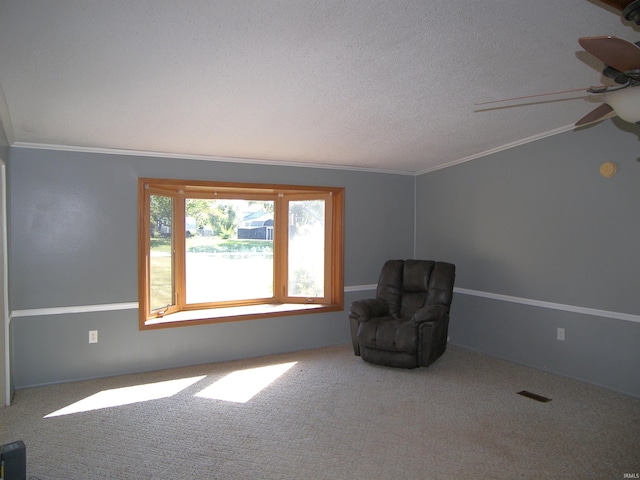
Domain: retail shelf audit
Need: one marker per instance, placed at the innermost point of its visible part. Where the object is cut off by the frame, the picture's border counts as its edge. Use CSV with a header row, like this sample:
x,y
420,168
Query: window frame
x,y
181,313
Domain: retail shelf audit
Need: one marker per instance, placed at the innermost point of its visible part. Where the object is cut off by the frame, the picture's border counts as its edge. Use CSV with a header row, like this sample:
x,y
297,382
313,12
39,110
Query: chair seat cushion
x,y
388,333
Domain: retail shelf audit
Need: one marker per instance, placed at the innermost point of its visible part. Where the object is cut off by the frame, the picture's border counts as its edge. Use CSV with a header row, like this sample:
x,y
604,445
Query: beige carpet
x,y
331,416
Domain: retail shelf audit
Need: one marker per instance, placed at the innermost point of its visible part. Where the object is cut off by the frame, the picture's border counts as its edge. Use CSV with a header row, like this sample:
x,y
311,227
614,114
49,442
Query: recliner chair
x,y
406,325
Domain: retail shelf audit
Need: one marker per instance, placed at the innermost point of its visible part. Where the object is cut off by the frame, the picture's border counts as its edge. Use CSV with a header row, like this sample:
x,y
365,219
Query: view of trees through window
x,y
161,245
229,249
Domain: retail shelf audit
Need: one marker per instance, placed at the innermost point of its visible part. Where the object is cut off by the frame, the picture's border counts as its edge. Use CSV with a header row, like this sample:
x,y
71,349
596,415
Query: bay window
x,y
211,251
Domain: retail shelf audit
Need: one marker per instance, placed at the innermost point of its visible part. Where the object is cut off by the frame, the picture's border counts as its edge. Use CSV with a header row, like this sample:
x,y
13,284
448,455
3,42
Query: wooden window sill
x,y
232,314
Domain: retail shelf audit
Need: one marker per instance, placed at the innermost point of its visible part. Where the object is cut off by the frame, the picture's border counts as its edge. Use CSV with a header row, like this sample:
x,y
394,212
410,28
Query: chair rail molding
x,y
552,305
33,312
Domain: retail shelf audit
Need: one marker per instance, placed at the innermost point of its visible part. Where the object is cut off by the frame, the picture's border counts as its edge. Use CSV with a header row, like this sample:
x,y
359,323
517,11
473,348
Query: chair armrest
x,y
430,313
363,310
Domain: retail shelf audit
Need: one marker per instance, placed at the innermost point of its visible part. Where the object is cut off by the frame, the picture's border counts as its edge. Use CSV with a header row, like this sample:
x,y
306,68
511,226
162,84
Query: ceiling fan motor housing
x,y
626,104
632,12
614,74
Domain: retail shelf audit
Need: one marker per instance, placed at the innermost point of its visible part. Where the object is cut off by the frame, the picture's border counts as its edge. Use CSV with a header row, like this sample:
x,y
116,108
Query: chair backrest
x,y
407,285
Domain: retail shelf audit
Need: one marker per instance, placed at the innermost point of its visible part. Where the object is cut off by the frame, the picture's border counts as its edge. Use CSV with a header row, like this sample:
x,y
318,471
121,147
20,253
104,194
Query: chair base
x,y
389,359
397,359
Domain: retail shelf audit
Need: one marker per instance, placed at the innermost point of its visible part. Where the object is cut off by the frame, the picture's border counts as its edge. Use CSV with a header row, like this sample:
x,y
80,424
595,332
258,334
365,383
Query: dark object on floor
x,y
13,458
406,325
534,396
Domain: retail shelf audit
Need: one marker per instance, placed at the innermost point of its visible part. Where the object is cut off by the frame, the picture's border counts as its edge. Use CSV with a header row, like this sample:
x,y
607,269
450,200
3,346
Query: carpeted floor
x,y
329,415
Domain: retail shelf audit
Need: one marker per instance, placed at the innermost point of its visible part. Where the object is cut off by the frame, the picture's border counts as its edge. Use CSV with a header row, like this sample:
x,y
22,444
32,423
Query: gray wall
x,y
73,242
534,223
540,224
4,156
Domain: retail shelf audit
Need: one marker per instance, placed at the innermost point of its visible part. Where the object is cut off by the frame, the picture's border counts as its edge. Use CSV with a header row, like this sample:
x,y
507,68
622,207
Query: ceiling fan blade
x,y
583,89
613,51
595,115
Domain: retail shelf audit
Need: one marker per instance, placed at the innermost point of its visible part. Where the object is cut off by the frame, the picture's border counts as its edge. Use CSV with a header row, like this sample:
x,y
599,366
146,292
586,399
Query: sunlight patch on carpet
x,y
127,395
242,385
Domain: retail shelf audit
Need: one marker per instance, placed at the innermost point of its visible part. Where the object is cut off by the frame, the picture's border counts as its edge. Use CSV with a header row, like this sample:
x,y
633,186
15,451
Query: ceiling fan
x,y
630,8
622,64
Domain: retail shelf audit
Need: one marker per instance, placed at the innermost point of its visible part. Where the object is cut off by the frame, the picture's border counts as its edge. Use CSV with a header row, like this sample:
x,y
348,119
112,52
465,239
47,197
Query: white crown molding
x,y
255,161
501,148
208,158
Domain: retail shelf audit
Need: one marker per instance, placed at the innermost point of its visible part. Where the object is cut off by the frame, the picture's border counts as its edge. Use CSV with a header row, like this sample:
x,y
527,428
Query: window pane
x,y
306,248
161,285
229,250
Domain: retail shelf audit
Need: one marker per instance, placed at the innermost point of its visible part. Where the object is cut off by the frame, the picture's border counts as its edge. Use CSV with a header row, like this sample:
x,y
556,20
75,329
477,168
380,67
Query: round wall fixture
x,y
608,169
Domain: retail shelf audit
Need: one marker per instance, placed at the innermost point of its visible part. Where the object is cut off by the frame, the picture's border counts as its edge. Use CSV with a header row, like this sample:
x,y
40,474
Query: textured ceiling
x,y
384,85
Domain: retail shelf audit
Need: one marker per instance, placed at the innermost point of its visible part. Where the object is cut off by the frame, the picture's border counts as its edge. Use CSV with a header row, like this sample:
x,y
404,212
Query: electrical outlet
x,y
561,334
93,336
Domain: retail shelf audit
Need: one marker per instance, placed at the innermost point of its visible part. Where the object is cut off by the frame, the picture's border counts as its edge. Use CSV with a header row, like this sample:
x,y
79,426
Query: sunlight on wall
x,y
127,395
242,385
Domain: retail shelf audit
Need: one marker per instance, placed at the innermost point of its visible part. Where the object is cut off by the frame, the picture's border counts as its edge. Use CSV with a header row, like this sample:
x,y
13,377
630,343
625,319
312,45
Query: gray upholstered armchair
x,y
406,324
